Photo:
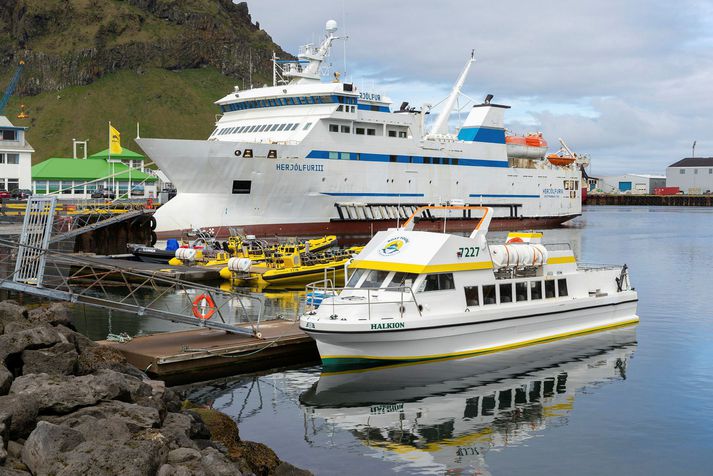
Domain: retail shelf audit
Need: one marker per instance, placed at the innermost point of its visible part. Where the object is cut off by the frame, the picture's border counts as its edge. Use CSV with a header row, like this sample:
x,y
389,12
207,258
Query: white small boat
x,y
417,295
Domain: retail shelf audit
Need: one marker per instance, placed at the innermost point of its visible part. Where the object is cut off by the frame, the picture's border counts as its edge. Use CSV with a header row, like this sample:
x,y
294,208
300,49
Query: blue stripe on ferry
x,y
408,159
367,107
482,134
368,194
501,195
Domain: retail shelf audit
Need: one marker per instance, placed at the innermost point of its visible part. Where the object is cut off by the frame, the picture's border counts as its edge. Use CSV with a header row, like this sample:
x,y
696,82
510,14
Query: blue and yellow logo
x,y
393,246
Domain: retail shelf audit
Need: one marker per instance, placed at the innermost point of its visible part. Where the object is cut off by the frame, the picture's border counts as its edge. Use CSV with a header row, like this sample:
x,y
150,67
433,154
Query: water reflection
x,y
442,416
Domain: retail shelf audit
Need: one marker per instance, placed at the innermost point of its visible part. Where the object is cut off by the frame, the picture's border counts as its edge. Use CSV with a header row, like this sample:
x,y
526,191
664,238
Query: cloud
x,y
626,82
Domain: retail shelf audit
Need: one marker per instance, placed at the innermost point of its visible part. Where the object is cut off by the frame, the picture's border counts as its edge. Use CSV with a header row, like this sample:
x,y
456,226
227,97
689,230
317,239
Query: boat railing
x,y
597,266
325,289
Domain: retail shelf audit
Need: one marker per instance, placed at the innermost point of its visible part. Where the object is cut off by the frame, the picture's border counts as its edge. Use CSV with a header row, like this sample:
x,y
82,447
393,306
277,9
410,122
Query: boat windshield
x,y
400,280
374,279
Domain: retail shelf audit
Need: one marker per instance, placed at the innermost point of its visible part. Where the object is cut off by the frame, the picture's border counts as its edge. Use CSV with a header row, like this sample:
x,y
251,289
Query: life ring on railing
x,y
203,307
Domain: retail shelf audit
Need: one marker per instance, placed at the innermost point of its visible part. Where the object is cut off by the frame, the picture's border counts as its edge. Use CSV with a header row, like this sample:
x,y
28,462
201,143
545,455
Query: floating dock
x,y
203,354
193,274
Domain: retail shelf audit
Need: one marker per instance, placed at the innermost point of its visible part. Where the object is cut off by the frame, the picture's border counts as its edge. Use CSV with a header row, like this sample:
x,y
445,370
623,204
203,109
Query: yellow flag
x,y
114,141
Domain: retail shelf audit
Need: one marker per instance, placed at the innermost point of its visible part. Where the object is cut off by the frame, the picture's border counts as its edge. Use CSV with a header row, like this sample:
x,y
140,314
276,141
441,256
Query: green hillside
x,y
176,104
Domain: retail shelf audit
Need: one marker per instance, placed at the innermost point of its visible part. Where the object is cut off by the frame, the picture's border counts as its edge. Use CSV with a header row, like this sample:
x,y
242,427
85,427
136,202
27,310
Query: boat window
x,y
374,279
340,108
550,289
282,126
306,126
521,291
505,293
264,127
399,280
360,131
345,156
346,129
294,126
489,294
471,296
438,282
241,186
402,134
562,287
274,127
214,132
535,289
334,155
392,133
355,277
371,132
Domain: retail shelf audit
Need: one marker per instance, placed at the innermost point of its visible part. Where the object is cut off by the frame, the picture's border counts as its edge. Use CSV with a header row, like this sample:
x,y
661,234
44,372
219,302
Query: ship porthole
x,y
237,153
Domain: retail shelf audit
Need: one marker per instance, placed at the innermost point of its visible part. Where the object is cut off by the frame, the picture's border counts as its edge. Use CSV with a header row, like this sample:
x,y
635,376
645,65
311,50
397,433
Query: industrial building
x,y
693,175
639,184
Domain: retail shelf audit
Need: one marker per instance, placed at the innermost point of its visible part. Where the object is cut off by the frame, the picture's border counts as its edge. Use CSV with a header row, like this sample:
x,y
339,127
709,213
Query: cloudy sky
x,y
628,82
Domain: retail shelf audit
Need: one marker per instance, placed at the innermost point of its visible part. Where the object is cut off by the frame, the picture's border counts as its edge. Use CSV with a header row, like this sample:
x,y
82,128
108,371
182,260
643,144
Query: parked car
x,y
5,194
21,193
103,194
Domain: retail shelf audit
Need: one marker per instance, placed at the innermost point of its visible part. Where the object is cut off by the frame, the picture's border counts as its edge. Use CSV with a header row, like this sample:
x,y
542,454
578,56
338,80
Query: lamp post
x,y
693,153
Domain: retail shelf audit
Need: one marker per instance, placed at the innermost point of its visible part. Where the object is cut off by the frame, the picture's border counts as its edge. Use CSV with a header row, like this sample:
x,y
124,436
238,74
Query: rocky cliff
x,y
75,42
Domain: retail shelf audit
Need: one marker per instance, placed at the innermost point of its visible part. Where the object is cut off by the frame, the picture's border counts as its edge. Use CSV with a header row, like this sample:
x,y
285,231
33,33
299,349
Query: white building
x,y
693,175
15,157
639,184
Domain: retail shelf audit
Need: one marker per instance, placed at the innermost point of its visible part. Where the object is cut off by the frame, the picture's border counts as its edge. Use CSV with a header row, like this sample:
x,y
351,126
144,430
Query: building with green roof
x,y
80,177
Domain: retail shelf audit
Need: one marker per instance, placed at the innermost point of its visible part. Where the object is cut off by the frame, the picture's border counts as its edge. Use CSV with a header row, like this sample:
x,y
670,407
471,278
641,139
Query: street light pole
x,y
694,150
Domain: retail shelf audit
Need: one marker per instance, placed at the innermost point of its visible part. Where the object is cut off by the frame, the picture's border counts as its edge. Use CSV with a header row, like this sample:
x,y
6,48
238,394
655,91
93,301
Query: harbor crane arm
x,y
11,87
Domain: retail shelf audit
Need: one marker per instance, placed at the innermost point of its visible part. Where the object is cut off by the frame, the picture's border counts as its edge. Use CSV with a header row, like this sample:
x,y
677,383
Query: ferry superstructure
x,y
307,157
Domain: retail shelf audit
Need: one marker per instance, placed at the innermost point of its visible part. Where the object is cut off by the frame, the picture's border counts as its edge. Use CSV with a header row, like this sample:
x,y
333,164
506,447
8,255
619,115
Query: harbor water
x,y
635,400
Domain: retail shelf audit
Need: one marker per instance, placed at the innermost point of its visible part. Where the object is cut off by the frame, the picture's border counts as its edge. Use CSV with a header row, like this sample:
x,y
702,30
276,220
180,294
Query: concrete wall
x,y
691,180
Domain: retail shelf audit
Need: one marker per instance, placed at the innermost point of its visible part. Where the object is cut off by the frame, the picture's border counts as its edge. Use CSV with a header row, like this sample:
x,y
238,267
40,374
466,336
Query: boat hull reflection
x,y
446,415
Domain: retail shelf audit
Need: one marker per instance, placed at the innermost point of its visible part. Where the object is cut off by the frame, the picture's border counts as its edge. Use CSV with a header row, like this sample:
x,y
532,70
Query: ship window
x,y
392,133
294,126
437,160
282,126
426,160
505,293
471,296
438,282
345,156
521,291
489,294
340,108
355,277
402,134
346,129
360,131
374,279
272,154
375,108
248,154
535,290
400,280
214,132
274,127
392,158
371,132
242,186
549,289
454,161
264,127
334,155
306,126
562,287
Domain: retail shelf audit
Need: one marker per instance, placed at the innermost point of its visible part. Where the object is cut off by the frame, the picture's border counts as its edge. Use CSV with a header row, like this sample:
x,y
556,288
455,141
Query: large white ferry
x,y
308,157
418,295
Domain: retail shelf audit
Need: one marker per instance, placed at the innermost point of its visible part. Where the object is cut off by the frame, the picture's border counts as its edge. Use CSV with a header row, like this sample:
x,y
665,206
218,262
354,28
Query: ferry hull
x,y
366,228
344,350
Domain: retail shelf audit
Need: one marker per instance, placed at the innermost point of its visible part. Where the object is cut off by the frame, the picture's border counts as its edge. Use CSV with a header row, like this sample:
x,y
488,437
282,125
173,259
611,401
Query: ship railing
x,y
326,289
597,266
558,246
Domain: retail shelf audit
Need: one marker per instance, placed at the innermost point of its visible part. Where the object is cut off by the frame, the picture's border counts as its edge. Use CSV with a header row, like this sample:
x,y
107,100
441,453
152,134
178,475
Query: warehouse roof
x,y
79,169
694,162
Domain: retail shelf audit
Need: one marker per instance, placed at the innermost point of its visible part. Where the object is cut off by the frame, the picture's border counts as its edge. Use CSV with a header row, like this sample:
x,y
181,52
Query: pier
x,y
651,200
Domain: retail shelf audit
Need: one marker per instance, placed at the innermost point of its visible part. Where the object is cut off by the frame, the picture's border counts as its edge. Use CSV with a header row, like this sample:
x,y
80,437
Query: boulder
x,y
5,380
60,359
63,394
183,455
14,449
177,430
46,445
80,341
216,464
134,417
35,338
143,454
98,357
22,411
17,326
286,469
10,312
260,458
55,314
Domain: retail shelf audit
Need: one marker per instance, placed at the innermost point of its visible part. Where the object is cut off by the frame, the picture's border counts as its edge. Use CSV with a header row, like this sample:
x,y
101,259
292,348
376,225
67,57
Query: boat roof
x,y
420,252
289,90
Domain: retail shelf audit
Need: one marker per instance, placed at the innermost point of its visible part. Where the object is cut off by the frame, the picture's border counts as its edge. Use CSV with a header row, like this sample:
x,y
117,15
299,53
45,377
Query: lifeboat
x,y
529,146
560,160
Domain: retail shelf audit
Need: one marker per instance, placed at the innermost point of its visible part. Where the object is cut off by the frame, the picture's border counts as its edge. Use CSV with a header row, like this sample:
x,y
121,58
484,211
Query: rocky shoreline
x,y
71,406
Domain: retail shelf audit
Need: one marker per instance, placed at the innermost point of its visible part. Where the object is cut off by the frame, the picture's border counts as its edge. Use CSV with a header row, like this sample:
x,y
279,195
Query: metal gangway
x,y
35,265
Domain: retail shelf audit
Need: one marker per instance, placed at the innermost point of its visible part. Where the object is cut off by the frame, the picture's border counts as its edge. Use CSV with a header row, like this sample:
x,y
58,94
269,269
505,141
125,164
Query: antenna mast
x,y
441,124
